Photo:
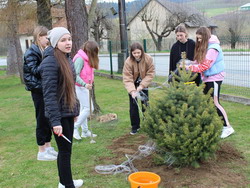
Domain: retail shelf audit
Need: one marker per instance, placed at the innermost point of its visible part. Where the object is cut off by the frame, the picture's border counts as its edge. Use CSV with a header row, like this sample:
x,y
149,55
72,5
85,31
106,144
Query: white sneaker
x,y
88,134
77,183
76,135
51,151
45,156
227,131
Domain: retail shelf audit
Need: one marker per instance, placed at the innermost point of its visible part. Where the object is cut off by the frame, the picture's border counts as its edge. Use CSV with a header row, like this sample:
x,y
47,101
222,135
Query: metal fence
x,y
237,61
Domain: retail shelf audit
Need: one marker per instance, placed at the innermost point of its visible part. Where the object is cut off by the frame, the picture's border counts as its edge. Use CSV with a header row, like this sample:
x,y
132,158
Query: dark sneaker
x,y
133,132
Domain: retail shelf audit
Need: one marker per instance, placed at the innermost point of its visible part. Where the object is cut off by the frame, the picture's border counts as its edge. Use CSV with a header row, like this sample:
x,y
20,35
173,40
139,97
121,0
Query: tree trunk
x,y
14,54
91,15
44,13
97,108
77,20
12,68
159,43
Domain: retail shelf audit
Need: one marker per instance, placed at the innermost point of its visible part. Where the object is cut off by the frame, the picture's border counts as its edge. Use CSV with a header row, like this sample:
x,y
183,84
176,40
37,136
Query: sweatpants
x,y
216,97
82,120
64,152
43,129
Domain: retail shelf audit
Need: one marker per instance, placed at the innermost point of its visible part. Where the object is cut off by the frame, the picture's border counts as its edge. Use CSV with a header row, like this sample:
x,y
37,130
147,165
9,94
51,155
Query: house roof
x,y
27,26
246,5
176,7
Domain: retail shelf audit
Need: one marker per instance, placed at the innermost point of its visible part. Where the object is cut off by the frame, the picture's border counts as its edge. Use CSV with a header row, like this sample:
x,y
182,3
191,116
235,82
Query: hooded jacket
x,y
175,53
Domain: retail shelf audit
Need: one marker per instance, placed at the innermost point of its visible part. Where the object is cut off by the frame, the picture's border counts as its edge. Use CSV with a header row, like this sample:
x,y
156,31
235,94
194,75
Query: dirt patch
x,y
221,172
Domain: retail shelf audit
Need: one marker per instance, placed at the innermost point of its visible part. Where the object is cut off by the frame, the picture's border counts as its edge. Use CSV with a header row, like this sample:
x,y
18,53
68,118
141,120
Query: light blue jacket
x,y
219,64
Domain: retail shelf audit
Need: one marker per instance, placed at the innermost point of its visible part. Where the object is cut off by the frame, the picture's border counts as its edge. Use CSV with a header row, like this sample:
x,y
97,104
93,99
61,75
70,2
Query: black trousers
x,y
134,111
43,129
64,152
208,86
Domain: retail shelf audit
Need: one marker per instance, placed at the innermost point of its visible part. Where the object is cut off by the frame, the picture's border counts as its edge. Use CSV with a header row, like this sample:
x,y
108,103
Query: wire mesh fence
x,y
237,61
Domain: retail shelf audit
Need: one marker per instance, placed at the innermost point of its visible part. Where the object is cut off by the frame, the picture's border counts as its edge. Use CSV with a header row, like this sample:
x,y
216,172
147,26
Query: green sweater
x,y
79,63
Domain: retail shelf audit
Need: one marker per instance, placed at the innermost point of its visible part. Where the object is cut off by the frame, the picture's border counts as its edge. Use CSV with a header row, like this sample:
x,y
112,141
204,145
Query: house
x,y
156,13
245,7
26,28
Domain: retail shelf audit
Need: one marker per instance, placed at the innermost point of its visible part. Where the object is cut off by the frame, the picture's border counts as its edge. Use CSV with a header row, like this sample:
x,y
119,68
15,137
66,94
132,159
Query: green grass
x,y
18,164
217,11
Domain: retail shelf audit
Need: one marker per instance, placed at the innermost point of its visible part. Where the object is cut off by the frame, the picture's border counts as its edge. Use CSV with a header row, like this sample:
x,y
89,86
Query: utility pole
x,y
123,35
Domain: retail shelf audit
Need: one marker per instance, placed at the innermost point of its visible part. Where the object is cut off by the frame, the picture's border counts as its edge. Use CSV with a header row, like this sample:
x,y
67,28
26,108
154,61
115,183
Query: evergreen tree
x,y
184,122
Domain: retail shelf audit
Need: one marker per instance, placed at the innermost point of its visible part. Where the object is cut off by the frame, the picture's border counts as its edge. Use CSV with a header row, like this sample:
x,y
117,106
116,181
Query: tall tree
x,y
100,25
44,13
77,20
235,24
14,54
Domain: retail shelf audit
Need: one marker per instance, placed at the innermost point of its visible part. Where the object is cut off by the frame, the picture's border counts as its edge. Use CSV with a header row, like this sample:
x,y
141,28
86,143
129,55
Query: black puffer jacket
x,y
50,73
31,75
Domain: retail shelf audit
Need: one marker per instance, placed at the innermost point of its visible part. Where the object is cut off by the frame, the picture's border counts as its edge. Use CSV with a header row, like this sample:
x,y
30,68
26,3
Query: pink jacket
x,y
87,72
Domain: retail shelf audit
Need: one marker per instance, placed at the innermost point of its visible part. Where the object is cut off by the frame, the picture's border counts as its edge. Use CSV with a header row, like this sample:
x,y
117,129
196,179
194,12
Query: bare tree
x,y
101,25
175,15
44,13
235,24
14,53
77,20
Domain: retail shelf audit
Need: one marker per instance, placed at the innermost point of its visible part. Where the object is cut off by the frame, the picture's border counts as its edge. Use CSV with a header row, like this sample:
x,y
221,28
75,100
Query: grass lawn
x,y
18,164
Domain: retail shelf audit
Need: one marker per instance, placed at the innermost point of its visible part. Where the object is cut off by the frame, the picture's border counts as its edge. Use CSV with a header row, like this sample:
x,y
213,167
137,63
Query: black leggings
x,y
134,111
216,97
64,152
43,129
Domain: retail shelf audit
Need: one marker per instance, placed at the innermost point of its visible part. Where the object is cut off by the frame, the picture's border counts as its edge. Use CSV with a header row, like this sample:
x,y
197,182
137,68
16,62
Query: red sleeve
x,y
201,67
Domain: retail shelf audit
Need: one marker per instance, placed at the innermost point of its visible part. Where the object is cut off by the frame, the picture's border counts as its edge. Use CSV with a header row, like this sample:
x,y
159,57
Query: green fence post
x,y
145,45
110,57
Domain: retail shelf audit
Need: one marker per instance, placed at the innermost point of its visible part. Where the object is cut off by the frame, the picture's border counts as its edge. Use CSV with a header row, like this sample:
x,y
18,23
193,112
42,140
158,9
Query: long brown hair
x,y
91,49
39,31
136,46
201,47
66,80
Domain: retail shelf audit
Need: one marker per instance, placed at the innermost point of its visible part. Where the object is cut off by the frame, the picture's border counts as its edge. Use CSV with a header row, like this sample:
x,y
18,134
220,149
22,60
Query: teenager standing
x,y
85,61
138,73
61,106
209,61
32,78
183,44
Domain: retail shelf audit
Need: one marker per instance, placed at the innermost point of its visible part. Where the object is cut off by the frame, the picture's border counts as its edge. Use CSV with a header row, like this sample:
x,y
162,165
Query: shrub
x,y
184,123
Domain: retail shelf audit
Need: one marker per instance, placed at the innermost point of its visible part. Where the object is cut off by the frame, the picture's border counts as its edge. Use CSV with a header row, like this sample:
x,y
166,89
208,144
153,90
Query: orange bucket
x,y
144,180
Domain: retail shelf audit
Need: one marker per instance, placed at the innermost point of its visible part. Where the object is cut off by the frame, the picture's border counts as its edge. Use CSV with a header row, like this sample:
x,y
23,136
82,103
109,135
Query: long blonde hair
x,y
91,49
39,31
201,47
66,80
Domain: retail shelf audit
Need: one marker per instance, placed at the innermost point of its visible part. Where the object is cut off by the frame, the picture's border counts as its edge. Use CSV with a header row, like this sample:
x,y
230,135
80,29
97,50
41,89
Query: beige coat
x,y
130,72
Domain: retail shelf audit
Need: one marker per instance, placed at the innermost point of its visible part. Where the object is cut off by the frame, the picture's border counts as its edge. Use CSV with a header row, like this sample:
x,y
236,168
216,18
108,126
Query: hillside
x,y
217,7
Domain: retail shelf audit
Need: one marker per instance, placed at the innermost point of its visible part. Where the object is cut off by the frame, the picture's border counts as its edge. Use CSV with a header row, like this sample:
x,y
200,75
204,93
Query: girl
x,y
138,72
183,44
32,59
61,107
85,61
209,62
